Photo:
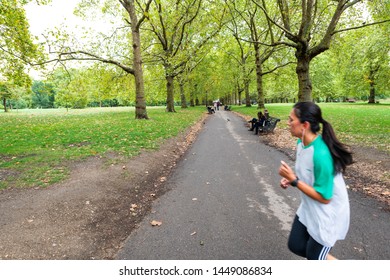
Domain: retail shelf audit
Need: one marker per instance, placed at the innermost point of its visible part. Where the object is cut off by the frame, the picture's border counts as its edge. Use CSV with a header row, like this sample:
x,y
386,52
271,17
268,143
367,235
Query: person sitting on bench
x,y
258,123
266,114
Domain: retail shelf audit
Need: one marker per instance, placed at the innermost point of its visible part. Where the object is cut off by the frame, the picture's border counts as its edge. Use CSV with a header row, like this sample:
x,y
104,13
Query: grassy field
x,y
356,123
35,145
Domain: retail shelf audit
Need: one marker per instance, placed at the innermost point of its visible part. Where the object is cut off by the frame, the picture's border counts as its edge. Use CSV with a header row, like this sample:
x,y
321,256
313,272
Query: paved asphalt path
x,y
225,203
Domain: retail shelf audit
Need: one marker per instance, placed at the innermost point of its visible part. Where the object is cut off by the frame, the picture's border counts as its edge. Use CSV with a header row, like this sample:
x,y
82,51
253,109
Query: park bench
x,y
228,108
269,125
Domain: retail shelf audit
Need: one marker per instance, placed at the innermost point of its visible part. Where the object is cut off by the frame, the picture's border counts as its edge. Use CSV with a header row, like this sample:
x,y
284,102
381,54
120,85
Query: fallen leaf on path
x,y
156,223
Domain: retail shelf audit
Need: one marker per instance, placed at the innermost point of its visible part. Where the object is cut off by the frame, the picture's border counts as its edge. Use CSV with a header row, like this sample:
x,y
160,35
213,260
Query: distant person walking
x,y
323,215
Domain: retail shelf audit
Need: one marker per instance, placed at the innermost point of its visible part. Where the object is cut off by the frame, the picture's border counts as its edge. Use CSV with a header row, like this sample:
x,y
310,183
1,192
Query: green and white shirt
x,y
326,223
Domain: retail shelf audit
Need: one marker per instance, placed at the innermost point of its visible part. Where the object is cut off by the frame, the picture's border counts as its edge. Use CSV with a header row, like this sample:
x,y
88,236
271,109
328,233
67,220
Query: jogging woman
x,y
323,215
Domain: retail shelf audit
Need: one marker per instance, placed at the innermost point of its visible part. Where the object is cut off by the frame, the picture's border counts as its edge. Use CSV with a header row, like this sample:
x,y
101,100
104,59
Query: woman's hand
x,y
288,176
284,183
286,172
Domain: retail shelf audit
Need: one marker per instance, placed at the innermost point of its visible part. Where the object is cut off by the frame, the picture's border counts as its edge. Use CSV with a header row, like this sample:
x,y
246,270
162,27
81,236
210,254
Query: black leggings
x,y
302,244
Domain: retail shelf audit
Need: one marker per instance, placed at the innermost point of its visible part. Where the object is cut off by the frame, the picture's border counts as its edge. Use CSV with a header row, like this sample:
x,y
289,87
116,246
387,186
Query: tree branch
x,y
144,15
184,25
277,67
72,55
352,3
286,29
361,26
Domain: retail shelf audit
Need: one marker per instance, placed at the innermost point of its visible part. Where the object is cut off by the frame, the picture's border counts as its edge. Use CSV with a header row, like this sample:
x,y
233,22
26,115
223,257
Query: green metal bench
x,y
269,125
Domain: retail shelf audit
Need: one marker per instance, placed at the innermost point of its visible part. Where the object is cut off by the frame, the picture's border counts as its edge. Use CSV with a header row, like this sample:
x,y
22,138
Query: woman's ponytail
x,y
341,154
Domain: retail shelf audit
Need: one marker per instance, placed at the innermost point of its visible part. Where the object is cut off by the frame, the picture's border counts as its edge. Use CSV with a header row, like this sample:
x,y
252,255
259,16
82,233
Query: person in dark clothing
x,y
210,109
257,124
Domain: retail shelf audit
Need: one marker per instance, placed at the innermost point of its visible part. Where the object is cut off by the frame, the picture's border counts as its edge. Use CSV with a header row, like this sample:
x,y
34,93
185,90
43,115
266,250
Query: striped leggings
x,y
302,244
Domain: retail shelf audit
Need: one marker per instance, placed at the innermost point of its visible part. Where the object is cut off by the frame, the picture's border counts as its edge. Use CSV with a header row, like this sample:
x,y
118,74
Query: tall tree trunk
x,y
193,94
5,104
247,93
373,71
170,94
304,81
260,92
246,83
183,97
259,79
140,104
371,98
237,96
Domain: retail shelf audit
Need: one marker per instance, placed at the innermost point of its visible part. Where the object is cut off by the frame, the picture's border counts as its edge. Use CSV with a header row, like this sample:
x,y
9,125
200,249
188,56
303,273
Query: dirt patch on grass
x,y
89,215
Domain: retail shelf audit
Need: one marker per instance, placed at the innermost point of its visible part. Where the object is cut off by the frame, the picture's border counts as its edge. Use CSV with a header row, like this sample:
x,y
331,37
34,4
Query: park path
x,y
225,203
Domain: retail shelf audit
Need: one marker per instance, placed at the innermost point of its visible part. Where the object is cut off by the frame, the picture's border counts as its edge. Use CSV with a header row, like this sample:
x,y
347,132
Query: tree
x,y
376,61
365,66
5,93
61,79
238,30
309,27
324,80
179,37
102,85
135,23
43,94
256,30
20,98
207,81
136,12
16,42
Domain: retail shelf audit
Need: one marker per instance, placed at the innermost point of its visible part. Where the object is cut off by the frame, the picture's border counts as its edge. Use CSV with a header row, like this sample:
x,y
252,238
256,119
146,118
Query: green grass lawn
x,y
355,124
36,145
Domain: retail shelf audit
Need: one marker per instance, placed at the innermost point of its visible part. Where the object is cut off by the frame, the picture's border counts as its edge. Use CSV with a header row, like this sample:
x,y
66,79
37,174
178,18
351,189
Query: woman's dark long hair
x,y
311,112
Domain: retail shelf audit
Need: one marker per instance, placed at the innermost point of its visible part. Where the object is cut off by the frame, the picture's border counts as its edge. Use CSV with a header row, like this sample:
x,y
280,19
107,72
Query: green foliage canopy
x,y
169,50
16,42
